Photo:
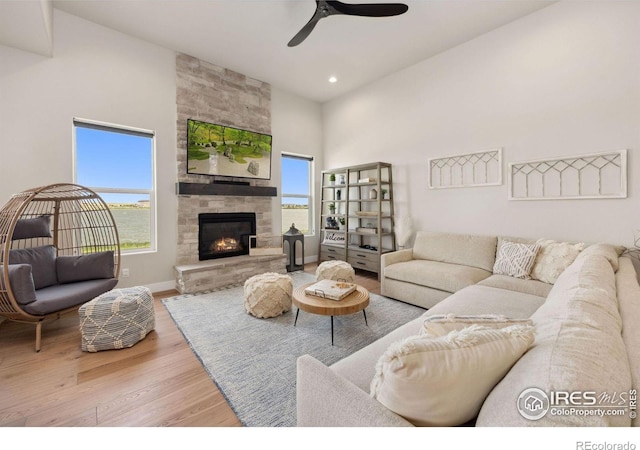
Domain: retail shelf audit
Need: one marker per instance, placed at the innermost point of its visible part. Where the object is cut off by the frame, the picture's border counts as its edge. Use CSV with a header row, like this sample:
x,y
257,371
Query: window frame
x,y
310,198
152,193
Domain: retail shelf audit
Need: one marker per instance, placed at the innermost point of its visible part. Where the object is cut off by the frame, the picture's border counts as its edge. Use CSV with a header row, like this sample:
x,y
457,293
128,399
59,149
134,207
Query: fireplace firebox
x,y
221,235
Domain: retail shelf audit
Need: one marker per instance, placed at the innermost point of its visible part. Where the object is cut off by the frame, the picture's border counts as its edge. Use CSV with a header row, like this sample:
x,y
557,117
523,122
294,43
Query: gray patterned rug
x,y
253,361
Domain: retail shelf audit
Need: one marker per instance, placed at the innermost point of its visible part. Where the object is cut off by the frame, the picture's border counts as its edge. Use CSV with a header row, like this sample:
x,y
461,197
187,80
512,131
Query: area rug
x,y
253,361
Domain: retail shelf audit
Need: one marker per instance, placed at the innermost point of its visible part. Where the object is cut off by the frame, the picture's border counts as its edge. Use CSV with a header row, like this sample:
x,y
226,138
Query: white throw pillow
x,y
515,259
553,258
443,381
444,324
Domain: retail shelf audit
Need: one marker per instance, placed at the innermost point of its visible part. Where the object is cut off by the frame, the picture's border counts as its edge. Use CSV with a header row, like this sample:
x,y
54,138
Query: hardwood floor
x,y
157,382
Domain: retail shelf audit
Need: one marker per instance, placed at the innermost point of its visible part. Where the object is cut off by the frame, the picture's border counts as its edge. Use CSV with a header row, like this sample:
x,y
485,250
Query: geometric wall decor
x,y
596,175
469,170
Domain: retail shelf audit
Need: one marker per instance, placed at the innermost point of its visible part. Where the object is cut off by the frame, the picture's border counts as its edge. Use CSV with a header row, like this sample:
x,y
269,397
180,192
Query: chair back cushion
x,y
42,261
85,267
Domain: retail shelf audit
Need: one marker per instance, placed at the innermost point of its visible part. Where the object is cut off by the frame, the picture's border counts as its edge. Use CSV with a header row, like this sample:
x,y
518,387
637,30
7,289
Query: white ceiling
x,y
250,36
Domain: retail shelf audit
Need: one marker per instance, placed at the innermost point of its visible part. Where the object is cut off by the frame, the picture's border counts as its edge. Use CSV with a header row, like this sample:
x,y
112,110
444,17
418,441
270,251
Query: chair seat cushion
x,y
62,296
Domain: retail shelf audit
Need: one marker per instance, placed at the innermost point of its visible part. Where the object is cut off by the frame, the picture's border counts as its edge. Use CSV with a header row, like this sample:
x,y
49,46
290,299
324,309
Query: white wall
x,y
296,126
100,74
95,74
562,81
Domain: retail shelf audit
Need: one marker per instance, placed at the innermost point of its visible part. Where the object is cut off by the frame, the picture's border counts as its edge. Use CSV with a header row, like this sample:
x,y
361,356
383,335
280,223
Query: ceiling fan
x,y
326,8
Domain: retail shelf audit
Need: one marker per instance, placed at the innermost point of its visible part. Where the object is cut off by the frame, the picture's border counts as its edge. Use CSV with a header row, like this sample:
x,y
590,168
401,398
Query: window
x,y
118,163
297,204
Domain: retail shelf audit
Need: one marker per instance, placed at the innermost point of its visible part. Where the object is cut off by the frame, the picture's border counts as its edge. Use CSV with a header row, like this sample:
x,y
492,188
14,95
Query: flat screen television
x,y
226,151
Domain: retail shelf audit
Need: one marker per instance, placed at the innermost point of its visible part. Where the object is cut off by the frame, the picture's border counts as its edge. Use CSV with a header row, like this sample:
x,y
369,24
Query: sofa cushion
x,y
43,263
553,258
578,347
533,287
438,275
62,296
360,367
476,300
85,267
610,252
32,228
463,249
442,381
441,325
21,283
515,259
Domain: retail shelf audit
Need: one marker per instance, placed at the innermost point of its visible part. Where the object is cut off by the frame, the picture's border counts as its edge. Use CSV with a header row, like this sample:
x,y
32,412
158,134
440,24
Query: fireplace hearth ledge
x,y
222,272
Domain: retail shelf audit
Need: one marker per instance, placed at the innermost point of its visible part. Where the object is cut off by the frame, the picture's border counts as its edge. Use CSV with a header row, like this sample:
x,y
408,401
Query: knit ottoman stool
x,y
268,295
116,319
335,270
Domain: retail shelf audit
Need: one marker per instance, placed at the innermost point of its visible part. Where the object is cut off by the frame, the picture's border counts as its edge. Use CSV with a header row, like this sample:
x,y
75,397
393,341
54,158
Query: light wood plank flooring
x,y
157,382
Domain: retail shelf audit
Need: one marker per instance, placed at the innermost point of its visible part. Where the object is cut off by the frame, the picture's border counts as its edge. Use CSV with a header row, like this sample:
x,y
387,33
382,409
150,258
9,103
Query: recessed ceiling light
x,y
333,80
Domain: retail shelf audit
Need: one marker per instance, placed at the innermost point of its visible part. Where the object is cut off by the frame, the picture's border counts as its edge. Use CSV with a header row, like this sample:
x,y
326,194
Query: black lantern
x,y
292,236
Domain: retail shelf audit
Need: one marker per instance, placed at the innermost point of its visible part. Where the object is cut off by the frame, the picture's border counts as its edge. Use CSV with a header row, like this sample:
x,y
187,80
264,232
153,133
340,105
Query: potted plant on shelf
x,y
342,221
332,208
332,179
384,193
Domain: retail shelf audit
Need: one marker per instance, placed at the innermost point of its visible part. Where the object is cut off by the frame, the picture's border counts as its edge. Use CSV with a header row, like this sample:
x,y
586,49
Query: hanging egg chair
x,y
59,249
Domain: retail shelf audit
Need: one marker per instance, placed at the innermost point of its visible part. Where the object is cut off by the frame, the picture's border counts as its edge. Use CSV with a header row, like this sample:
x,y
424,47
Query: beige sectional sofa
x,y
585,324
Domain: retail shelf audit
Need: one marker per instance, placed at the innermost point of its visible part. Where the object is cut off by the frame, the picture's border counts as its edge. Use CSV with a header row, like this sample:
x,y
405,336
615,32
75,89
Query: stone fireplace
x,y
216,95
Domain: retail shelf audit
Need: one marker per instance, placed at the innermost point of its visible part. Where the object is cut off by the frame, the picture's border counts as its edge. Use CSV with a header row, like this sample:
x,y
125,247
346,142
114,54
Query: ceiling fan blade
x,y
370,9
304,32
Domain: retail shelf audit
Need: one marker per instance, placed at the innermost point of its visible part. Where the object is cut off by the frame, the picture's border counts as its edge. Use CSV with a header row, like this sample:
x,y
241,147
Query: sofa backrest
x,y
465,249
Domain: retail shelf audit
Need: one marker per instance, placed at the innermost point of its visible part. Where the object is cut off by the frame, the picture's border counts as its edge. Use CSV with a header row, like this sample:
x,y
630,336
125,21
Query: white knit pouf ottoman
x,y
335,270
268,295
116,319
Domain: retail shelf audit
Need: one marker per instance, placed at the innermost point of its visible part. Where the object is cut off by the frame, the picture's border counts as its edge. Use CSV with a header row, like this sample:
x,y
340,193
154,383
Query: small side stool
x,y
268,295
335,270
116,319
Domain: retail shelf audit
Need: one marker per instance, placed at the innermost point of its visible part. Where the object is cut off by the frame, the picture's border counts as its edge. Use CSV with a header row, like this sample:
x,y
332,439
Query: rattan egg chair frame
x,y
80,224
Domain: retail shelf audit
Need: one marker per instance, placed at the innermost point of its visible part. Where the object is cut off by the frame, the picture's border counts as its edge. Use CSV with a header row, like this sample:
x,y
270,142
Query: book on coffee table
x,y
330,289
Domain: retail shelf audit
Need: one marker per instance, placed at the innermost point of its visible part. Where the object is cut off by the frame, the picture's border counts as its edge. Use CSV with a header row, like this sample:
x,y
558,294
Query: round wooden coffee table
x,y
353,303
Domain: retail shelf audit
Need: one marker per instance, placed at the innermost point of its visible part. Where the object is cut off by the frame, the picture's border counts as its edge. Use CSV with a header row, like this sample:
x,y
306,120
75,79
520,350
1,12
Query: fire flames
x,y
224,245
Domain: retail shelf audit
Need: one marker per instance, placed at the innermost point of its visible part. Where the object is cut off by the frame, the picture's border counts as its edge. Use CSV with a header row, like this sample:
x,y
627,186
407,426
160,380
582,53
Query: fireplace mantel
x,y
183,188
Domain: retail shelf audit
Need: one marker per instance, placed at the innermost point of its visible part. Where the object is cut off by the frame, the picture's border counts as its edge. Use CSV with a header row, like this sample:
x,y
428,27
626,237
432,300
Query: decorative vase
x,y
373,194
338,194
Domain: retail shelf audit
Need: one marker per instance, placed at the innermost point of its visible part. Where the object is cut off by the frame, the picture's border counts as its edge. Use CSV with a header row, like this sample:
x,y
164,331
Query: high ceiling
x,y
250,36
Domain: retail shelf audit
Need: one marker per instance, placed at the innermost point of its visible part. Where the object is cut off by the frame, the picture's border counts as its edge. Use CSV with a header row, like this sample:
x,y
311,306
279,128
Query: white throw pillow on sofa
x,y
515,259
440,325
553,258
443,381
